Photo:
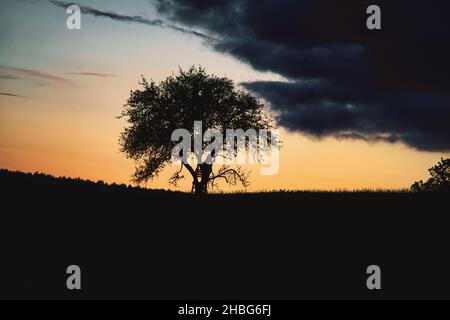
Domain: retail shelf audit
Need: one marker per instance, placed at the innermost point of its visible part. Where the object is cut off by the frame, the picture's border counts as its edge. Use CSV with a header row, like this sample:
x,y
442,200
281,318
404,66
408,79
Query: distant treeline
x,y
40,181
17,179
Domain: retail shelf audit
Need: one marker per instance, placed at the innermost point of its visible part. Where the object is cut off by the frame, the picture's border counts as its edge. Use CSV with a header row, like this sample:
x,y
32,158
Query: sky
x,y
356,108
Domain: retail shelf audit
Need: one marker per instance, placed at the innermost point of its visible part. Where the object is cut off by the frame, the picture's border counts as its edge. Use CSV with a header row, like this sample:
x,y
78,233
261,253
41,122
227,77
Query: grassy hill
x,y
153,244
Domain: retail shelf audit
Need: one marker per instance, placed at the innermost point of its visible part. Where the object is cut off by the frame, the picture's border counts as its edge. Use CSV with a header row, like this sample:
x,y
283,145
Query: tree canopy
x,y
156,110
439,178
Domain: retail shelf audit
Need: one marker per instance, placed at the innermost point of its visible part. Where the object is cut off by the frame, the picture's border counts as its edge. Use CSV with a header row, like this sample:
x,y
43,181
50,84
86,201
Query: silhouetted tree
x,y
439,178
156,110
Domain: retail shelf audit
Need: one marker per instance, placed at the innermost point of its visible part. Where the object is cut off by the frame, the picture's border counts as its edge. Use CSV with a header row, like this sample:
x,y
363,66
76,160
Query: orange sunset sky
x,y
61,91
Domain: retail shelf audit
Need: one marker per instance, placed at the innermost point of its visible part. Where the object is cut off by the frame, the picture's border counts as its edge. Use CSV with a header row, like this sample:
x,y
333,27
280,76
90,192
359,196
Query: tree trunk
x,y
200,184
197,188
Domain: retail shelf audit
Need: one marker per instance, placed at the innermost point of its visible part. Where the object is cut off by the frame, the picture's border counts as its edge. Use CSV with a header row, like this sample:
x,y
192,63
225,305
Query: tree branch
x,y
231,176
176,177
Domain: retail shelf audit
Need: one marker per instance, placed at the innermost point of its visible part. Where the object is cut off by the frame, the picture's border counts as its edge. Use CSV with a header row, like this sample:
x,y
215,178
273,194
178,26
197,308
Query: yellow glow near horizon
x,y
44,137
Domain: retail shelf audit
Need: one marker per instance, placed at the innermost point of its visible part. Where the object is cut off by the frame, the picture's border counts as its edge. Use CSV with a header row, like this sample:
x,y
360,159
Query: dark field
x,y
136,243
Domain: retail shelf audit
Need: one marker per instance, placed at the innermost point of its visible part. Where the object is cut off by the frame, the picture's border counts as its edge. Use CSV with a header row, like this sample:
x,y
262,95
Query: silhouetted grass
x,y
8,177
137,243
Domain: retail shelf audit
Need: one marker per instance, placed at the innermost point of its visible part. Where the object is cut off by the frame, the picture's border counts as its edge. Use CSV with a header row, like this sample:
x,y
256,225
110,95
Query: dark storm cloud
x,y
127,18
321,108
345,81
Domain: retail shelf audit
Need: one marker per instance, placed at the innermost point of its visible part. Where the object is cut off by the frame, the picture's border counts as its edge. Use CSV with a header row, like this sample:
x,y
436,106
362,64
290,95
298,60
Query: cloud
x,y
92,74
8,77
12,95
129,19
109,14
15,72
345,81
321,109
